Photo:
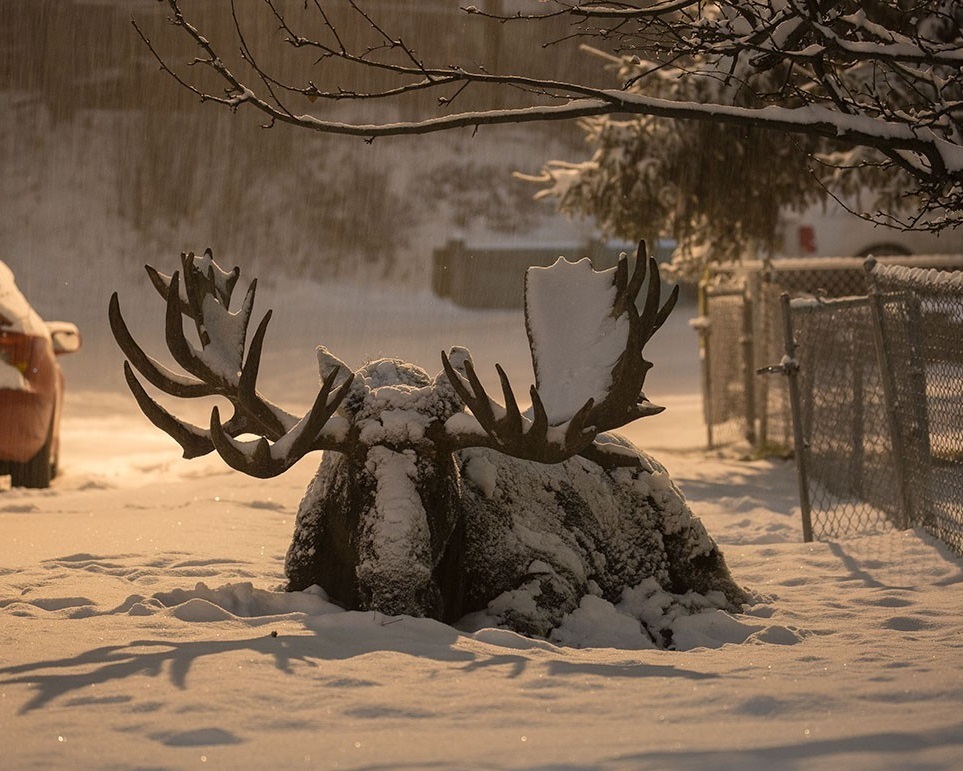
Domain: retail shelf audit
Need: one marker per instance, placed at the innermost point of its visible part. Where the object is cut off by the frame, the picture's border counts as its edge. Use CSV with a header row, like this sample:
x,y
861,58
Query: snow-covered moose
x,y
434,500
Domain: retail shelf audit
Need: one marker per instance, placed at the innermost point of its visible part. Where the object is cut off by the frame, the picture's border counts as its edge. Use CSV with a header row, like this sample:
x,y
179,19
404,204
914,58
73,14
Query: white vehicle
x,y
829,230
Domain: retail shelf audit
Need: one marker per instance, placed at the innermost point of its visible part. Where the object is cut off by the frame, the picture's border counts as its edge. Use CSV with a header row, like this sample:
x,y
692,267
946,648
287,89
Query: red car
x,y
31,387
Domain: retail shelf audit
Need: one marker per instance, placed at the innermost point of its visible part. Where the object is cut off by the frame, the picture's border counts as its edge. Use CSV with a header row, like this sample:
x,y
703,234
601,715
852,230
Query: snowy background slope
x,y
141,624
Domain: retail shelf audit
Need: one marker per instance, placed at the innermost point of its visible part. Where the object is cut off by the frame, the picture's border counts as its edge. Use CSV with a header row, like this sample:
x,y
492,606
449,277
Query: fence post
x,y
704,329
920,426
857,463
889,397
790,367
762,330
748,374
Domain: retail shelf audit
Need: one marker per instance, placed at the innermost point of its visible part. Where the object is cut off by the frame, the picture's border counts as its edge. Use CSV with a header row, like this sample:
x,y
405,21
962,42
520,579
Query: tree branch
x,y
877,78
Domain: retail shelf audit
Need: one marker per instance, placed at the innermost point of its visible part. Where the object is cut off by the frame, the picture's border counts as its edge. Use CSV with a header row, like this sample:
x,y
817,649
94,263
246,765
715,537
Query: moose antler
x,y
585,399
220,368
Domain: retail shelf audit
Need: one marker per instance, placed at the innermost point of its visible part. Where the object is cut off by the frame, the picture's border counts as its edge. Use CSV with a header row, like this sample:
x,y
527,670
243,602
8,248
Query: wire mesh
x,y
799,278
922,323
728,413
851,466
766,417
879,382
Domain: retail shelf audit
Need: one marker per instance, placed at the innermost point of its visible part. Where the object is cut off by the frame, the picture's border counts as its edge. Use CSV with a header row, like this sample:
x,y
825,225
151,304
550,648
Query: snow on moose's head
x,y
434,499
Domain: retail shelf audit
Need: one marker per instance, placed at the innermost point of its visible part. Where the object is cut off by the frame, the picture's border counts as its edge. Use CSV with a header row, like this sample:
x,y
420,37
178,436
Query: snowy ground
x,y
141,626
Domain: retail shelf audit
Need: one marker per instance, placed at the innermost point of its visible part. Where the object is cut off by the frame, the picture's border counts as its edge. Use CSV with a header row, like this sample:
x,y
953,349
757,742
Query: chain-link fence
x,y
848,462
921,321
741,331
728,387
877,405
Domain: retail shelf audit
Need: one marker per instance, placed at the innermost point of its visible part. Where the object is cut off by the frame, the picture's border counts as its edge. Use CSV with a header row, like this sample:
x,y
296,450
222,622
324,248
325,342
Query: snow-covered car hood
x,y
15,312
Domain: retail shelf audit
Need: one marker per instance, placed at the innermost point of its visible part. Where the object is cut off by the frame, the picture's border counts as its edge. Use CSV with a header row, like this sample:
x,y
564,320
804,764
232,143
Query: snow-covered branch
x,y
877,85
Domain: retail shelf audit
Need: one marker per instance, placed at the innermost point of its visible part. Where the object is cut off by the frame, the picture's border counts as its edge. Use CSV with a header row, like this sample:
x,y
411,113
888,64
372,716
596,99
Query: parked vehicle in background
x,y
31,387
829,230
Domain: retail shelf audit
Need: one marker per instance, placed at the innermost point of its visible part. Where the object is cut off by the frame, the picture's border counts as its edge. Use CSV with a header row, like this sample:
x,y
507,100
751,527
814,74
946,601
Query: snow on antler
x,y
219,367
206,300
575,338
586,335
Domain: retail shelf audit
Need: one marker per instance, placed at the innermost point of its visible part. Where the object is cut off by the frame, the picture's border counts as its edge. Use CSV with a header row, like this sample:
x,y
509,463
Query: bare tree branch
x,y
870,75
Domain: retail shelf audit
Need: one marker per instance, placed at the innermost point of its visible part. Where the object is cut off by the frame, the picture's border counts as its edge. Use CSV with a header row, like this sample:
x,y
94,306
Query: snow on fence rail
x,y
873,405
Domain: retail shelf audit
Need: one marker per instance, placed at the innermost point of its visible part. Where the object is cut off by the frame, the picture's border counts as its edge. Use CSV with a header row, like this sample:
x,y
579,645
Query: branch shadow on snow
x,y
55,679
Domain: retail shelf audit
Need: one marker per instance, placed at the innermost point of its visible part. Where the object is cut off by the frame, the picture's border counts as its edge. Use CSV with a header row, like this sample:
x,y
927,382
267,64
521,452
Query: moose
x,y
433,499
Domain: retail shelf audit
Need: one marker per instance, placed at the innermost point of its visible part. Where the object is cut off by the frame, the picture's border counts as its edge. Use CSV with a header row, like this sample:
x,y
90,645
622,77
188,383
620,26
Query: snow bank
x,y
140,617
